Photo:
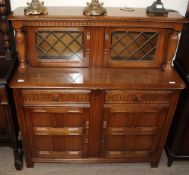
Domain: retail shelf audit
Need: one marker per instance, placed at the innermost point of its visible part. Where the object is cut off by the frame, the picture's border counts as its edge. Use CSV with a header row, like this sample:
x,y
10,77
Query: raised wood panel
x,y
132,119
43,119
138,96
126,154
57,131
129,142
59,154
131,131
58,143
54,97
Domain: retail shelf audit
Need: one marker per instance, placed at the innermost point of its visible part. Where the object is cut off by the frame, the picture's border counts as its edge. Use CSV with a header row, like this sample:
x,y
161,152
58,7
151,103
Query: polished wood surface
x,y
100,78
77,12
98,108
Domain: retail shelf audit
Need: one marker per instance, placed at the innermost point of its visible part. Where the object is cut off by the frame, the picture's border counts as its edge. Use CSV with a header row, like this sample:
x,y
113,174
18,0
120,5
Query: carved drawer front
x,y
138,96
132,131
57,132
54,97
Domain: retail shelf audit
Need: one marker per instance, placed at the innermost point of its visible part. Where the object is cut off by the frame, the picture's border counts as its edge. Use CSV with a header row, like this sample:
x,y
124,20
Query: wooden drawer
x,y
116,96
53,97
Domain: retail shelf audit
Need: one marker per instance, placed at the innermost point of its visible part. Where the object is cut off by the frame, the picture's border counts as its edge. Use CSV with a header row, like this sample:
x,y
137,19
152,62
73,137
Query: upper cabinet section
x,y
67,38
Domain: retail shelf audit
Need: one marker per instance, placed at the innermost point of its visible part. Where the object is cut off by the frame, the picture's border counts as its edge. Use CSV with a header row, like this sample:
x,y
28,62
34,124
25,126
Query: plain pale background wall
x,y
179,5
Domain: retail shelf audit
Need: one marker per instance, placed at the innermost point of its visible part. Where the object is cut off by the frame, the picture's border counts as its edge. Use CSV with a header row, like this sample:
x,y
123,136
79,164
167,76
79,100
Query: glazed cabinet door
x,y
59,47
133,47
132,130
57,132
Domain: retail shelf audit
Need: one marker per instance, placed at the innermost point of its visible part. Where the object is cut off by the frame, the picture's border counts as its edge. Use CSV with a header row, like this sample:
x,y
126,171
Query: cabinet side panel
x,y
22,125
166,127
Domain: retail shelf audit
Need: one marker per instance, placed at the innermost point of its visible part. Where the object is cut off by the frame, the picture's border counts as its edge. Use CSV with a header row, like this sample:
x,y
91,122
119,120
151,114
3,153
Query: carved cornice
x,y
100,23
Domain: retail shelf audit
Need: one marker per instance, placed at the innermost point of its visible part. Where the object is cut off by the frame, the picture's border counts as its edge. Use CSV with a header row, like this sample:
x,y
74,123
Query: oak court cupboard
x,y
95,89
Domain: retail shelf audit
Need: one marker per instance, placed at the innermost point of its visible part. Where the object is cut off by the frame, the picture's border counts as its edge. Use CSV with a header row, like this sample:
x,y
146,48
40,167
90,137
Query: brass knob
x,y
137,99
55,98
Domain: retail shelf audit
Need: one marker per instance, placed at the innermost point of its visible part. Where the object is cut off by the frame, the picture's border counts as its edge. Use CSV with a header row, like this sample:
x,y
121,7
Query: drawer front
x,y
138,96
50,97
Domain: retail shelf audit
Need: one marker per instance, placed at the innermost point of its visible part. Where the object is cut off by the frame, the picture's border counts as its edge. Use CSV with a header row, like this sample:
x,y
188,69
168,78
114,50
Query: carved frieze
x,y
36,97
105,23
138,96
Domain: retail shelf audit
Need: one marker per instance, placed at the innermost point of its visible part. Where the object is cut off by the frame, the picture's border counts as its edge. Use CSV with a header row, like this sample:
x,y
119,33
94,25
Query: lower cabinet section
x,y
94,125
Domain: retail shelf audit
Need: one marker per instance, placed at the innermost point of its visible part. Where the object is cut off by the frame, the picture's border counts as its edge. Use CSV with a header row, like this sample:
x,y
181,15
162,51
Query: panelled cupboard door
x,y
57,133
136,47
132,131
59,47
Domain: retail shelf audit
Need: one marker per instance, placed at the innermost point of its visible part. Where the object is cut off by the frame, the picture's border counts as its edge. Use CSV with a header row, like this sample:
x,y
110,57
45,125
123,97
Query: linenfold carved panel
x,y
37,97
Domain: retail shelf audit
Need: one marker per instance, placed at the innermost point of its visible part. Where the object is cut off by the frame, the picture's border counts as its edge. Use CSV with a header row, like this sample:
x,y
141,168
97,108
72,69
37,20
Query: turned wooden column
x,y
172,46
21,49
5,30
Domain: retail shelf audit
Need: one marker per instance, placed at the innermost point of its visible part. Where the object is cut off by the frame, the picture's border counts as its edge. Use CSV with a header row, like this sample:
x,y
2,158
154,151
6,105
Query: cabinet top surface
x,y
113,13
97,78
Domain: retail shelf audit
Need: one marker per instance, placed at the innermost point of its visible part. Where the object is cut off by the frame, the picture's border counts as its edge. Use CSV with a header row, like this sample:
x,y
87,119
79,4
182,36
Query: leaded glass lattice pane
x,y
133,46
66,45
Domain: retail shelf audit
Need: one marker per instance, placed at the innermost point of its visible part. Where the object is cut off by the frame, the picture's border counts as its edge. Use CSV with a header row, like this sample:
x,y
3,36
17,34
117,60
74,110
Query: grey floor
x,y
7,167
